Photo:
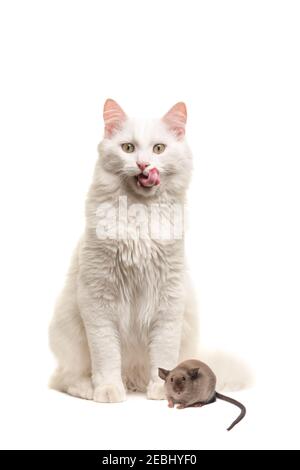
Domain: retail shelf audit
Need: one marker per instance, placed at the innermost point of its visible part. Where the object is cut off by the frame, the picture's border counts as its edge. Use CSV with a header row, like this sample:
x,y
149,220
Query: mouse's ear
x,y
194,373
163,373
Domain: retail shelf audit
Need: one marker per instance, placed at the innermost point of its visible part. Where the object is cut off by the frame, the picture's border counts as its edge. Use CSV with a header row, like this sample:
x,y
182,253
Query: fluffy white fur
x,y
127,307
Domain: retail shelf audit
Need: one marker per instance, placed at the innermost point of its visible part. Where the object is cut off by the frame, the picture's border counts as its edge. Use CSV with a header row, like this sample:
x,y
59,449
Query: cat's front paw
x,y
110,393
156,391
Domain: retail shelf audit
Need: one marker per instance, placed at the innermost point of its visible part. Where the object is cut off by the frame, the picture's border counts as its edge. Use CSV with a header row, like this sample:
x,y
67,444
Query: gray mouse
x,y
193,383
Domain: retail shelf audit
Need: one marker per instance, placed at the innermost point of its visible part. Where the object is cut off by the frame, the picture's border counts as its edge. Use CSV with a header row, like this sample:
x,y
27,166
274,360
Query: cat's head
x,y
148,157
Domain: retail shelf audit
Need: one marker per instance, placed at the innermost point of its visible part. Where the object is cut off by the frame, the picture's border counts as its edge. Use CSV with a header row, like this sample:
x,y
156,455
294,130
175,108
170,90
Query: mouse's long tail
x,y
236,403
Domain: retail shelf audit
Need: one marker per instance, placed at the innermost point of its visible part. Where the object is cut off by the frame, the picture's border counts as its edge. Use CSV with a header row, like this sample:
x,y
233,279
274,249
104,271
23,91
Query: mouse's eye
x,y
172,380
183,378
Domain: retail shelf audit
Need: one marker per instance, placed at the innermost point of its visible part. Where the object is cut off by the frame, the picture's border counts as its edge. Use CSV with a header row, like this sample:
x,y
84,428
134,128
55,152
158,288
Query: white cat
x,y
127,307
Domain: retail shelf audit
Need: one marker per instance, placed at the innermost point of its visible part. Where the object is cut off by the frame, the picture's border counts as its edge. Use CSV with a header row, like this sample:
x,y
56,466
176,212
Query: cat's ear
x,y
113,116
176,119
163,373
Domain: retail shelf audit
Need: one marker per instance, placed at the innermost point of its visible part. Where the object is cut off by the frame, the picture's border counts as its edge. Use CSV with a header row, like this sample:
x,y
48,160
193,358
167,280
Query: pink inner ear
x,y
113,116
176,119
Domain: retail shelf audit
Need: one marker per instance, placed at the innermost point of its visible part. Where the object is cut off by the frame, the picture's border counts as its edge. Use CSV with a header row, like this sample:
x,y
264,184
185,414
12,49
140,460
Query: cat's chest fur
x,y
138,252
143,260
123,269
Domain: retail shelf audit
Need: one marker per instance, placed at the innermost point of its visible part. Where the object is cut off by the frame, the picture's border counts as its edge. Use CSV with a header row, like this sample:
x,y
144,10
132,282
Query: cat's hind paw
x,y
82,388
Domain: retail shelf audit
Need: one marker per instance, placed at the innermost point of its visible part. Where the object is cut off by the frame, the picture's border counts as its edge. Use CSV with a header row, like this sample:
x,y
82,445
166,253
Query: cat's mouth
x,y
148,178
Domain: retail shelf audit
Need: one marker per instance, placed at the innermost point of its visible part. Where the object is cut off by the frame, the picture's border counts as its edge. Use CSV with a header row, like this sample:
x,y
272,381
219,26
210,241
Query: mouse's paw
x,y
110,393
156,391
181,406
170,403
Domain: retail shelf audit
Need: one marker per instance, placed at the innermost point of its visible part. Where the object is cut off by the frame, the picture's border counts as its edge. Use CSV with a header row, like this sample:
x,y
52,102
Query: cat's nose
x,y
142,165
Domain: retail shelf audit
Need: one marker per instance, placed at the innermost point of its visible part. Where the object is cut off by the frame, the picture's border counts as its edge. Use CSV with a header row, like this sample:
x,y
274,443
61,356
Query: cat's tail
x,y
232,373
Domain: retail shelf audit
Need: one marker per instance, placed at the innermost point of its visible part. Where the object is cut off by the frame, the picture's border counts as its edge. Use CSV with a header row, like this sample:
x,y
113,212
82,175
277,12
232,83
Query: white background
x,y
236,65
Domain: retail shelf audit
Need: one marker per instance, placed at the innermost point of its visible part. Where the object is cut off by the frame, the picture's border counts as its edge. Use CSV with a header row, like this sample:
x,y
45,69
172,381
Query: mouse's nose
x,y
142,165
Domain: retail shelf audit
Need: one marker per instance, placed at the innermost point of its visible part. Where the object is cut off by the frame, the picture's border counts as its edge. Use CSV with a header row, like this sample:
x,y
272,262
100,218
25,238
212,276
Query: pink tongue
x,y
152,179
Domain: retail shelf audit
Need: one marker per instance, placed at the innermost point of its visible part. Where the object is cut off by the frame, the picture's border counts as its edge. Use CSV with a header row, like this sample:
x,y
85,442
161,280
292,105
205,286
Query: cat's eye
x,y
128,147
183,378
172,380
159,148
